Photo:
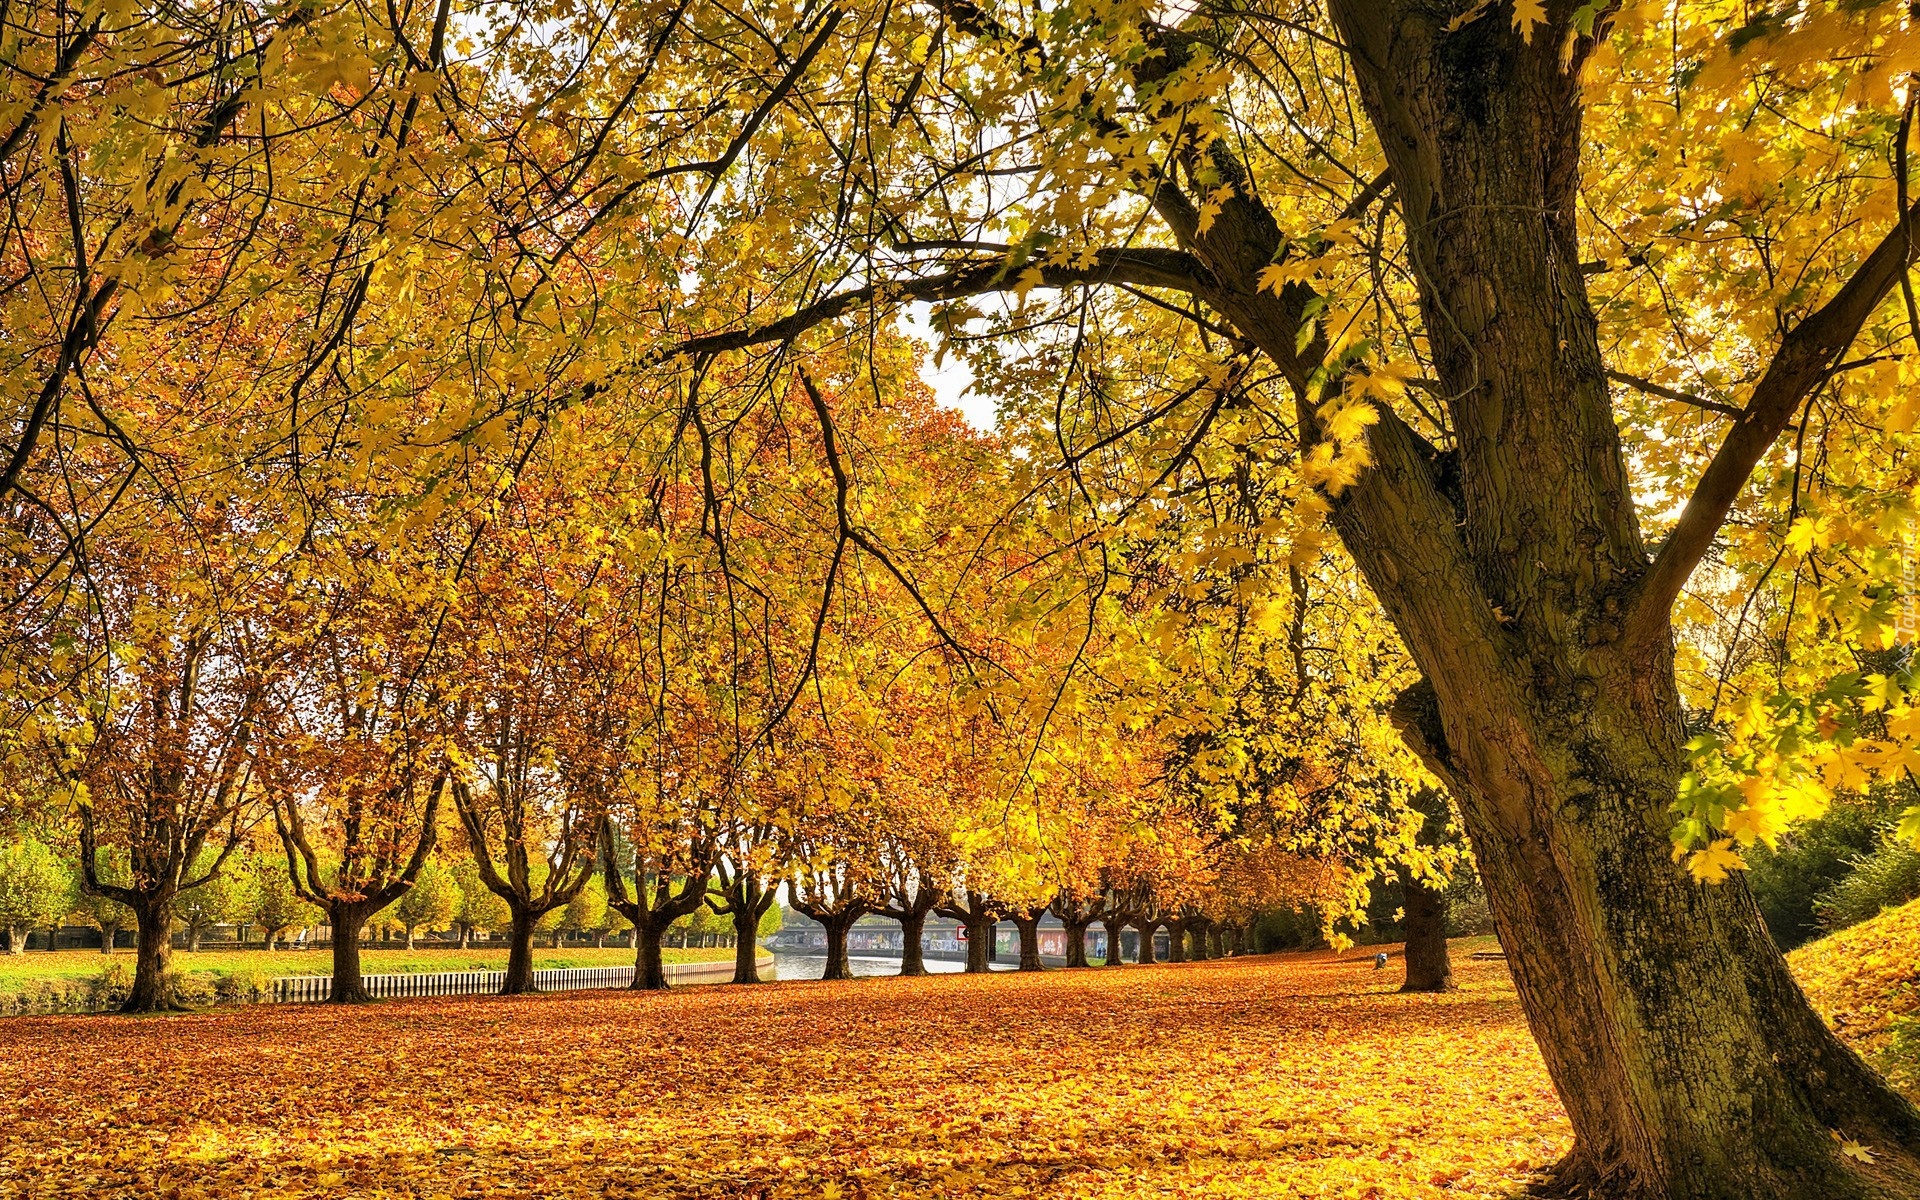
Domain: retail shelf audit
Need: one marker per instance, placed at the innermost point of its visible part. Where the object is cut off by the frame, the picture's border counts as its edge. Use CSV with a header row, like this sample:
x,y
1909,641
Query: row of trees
x,y
394,393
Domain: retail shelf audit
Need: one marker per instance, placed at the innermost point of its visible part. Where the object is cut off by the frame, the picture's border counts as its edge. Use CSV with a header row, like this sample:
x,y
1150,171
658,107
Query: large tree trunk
x,y
837,965
153,958
980,934
17,939
1145,928
1029,927
1176,941
746,951
1689,1062
348,987
1113,926
913,957
193,939
1428,967
519,980
1197,932
1076,942
649,960
108,934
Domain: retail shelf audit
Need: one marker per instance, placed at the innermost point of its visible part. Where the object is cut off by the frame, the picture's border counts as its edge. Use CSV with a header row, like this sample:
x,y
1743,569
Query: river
x,y
809,966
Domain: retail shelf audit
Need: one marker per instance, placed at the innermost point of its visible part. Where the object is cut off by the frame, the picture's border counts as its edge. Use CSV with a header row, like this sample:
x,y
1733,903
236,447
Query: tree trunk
x,y
519,980
1076,942
153,958
409,937
913,960
837,966
1176,941
193,939
1217,942
980,935
1145,955
1689,1062
1428,967
1197,933
649,962
16,939
746,951
348,987
1113,926
108,934
1029,927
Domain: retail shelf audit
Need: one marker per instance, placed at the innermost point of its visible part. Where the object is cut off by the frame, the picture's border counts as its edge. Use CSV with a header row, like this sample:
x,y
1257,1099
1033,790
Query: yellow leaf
x,y
1712,864
1526,15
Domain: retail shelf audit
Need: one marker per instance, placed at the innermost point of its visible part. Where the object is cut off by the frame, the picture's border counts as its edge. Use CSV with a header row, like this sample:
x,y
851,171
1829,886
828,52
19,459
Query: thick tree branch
x,y
1806,358
1142,267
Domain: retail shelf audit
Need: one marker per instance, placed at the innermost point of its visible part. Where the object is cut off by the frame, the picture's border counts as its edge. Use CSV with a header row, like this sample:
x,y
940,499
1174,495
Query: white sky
x,y
951,380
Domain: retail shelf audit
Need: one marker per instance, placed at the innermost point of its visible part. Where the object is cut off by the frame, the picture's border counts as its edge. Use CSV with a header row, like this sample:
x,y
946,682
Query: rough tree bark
x,y
837,926
745,897
1428,967
1027,921
978,915
913,955
1145,926
1113,923
1176,939
153,957
519,980
1689,1062
347,918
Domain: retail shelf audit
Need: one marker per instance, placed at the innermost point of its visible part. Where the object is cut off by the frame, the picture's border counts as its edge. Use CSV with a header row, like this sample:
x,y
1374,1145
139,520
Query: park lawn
x,y
1295,1075
17,970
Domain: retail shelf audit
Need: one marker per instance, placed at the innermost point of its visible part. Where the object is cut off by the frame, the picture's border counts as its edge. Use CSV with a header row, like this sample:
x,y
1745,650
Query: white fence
x,y
299,989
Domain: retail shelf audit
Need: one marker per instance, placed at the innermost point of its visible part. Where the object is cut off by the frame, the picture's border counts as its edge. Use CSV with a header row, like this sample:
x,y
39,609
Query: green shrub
x,y
1467,912
194,990
240,987
1810,860
1287,929
110,987
1888,877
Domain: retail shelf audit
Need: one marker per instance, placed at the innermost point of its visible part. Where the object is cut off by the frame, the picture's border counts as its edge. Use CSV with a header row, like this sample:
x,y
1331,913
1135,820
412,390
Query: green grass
x,y
18,970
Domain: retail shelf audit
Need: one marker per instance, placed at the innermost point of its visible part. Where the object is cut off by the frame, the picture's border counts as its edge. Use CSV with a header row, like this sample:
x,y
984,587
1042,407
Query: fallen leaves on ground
x,y
1865,980
1295,1076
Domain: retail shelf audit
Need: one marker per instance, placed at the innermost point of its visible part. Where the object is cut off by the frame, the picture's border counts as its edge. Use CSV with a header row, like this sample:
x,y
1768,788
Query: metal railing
x,y
309,988
306,989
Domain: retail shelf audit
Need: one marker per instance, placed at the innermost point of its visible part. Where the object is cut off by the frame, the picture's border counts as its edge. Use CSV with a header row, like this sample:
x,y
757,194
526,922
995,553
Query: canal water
x,y
810,966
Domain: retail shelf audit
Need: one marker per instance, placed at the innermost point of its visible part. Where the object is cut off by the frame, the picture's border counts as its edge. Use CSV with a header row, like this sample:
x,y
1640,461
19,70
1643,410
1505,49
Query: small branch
x,y
1666,393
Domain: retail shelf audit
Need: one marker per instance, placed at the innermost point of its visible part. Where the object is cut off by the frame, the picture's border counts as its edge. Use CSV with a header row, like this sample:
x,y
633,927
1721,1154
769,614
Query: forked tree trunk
x,y
153,955
519,980
1689,1062
1029,927
1113,926
913,956
1428,967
